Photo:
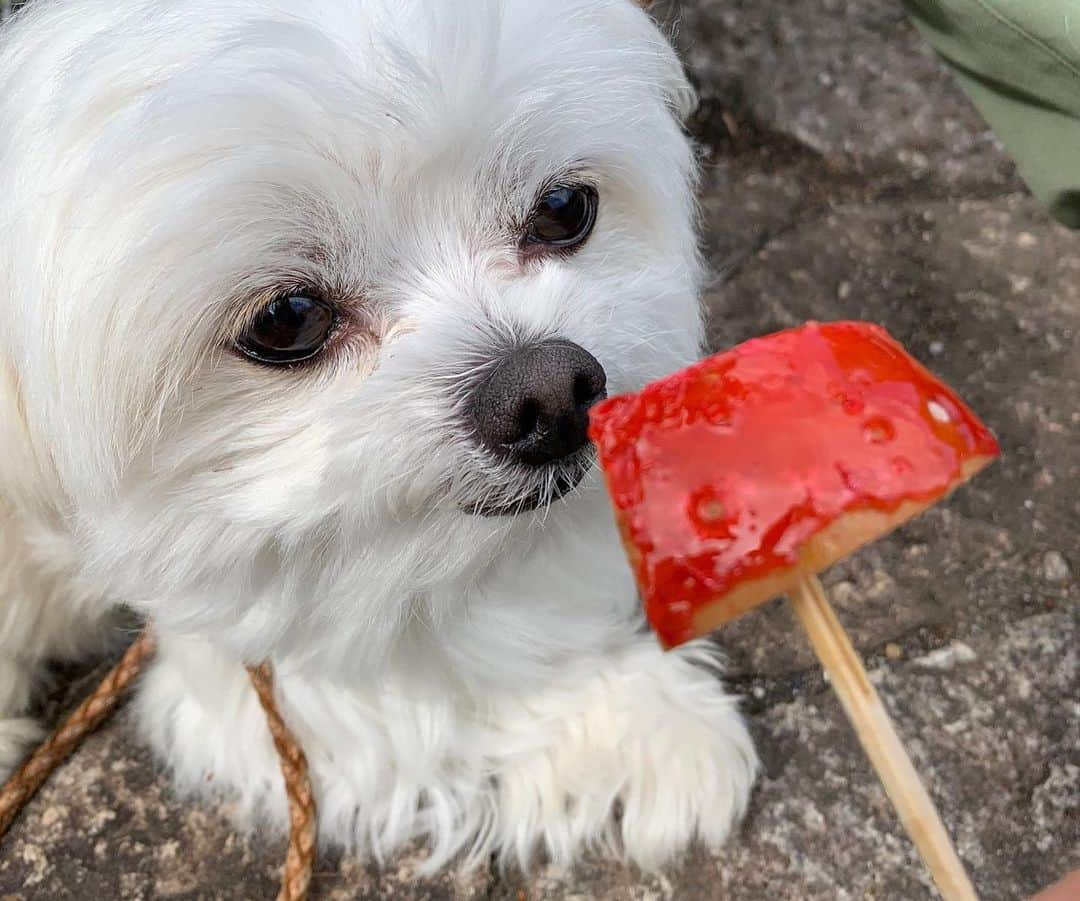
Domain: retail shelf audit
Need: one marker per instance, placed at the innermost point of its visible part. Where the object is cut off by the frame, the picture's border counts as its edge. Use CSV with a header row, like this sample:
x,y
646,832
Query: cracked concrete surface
x,y
845,177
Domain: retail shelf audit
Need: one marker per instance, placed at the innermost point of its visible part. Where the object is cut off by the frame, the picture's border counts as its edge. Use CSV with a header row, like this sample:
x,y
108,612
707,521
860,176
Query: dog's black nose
x,y
534,406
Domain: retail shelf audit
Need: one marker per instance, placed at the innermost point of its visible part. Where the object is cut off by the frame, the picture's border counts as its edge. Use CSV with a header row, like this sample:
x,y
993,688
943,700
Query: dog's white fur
x,y
484,685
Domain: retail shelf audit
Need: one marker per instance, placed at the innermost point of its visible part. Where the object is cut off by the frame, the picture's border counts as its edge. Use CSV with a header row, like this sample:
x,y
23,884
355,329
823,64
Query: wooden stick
x,y
880,741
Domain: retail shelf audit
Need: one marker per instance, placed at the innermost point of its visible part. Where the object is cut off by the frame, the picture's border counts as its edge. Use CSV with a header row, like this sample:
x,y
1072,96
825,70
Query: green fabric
x,y
1019,61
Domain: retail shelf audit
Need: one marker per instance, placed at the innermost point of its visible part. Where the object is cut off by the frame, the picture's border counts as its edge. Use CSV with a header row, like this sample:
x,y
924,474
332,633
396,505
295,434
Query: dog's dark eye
x,y
564,217
289,329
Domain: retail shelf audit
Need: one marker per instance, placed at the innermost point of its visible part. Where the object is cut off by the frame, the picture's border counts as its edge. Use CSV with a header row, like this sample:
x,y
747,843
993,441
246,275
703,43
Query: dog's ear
x,y
680,93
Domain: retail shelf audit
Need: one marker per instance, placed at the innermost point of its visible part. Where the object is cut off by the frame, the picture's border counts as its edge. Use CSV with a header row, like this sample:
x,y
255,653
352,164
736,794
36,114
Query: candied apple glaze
x,y
723,474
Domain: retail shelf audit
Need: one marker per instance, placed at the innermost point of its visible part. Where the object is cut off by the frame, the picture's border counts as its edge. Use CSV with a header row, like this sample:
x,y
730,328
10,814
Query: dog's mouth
x,y
548,486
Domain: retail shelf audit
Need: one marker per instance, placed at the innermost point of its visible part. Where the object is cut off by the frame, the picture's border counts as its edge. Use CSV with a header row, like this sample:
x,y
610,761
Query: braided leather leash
x,y
300,856
93,711
29,777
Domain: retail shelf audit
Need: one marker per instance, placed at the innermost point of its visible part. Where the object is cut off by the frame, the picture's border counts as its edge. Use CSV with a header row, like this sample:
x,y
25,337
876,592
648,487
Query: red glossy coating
x,y
721,472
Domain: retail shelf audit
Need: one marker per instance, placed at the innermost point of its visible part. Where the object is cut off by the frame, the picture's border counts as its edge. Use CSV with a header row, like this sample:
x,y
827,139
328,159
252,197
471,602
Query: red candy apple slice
x,y
742,476
737,477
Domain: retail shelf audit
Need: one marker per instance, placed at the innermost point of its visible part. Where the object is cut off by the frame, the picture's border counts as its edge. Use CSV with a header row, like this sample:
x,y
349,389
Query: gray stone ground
x,y
846,177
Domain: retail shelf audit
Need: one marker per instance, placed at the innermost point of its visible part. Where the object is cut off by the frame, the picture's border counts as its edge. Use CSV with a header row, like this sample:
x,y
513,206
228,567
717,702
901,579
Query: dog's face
x,y
308,301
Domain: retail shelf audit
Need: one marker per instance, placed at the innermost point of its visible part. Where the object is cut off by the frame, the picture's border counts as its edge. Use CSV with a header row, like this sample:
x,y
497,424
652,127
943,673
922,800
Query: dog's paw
x,y
17,735
690,766
658,738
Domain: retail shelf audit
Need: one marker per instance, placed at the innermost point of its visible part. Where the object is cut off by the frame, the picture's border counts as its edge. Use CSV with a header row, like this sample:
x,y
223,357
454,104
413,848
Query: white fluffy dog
x,y
302,306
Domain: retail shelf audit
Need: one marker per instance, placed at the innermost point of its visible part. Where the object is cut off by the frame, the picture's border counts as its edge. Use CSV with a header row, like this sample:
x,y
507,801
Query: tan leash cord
x,y
94,710
83,720
300,856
